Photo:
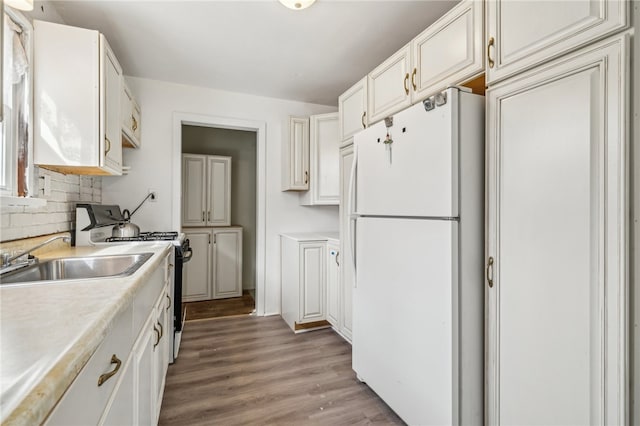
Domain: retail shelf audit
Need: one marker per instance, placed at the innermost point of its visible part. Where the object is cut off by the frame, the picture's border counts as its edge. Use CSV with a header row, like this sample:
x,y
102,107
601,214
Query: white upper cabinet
x,y
521,34
206,190
295,156
388,85
218,190
78,134
352,107
324,161
194,197
448,52
130,114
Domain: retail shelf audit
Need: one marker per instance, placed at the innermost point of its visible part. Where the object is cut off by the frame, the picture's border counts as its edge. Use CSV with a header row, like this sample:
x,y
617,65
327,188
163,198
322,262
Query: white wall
x,y
151,165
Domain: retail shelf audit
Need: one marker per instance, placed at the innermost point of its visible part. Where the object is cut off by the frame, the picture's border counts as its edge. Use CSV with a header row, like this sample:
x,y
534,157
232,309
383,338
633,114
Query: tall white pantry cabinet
x,y
557,203
215,270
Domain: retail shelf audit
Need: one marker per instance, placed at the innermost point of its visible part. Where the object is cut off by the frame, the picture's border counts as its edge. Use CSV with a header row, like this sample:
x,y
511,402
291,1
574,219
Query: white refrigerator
x,y
417,219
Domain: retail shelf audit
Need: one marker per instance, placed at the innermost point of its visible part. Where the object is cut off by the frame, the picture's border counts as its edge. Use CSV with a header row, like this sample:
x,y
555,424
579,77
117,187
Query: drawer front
x,y
118,342
144,300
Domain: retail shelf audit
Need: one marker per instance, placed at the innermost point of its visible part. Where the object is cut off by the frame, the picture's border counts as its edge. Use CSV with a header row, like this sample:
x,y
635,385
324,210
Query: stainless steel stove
x,y
93,227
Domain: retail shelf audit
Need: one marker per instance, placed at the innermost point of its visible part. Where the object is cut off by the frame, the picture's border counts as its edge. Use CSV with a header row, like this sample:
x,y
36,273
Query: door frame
x,y
259,127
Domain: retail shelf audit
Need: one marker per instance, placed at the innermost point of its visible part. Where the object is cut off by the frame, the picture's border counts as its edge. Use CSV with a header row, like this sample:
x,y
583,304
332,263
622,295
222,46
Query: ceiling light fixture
x,y
20,4
297,4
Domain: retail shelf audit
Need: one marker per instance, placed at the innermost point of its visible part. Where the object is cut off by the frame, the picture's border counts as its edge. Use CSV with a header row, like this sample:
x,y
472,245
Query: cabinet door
x,y
227,263
295,158
193,190
324,179
126,100
527,33
352,107
120,409
137,123
388,86
346,270
111,81
556,236
312,282
333,285
85,387
448,52
160,352
143,363
130,116
218,191
197,273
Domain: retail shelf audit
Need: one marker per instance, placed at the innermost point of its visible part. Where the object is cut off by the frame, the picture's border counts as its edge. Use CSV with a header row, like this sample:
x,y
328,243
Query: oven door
x,y
183,255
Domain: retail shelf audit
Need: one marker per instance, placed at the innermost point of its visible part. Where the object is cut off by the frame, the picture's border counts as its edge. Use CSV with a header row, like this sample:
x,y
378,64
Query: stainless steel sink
x,y
73,268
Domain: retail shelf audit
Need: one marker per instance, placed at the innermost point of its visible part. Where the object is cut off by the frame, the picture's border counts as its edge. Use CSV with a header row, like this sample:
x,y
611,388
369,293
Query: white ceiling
x,y
256,47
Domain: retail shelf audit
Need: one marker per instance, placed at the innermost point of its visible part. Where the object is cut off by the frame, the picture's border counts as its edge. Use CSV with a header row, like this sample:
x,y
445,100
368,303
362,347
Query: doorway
x,y
239,148
220,135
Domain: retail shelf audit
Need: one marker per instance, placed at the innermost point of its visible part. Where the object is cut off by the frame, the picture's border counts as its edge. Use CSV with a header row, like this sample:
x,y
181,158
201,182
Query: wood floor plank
x,y
255,371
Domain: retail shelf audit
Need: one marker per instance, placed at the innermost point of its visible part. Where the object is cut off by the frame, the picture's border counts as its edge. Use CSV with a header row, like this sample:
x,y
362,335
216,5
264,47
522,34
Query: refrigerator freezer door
x,y
417,173
403,327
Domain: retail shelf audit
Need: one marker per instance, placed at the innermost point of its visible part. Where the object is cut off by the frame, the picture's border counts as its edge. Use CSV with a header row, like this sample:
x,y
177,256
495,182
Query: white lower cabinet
x,y
303,288
333,283
215,269
557,242
120,409
143,373
226,262
122,381
197,272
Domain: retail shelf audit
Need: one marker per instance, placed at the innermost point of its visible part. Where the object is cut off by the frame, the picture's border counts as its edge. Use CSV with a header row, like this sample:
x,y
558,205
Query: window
x,y
16,174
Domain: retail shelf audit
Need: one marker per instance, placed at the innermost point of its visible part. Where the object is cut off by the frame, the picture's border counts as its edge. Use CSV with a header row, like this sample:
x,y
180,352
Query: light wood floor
x,y
220,307
255,371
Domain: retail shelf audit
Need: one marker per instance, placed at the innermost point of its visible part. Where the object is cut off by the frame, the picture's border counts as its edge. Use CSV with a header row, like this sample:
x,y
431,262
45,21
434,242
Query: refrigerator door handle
x,y
352,215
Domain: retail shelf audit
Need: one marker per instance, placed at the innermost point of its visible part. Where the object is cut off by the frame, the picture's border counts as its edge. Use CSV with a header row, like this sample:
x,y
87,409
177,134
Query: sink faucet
x,y
6,260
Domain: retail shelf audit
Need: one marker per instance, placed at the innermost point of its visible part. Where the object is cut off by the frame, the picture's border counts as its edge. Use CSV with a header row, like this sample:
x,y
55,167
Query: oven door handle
x,y
186,255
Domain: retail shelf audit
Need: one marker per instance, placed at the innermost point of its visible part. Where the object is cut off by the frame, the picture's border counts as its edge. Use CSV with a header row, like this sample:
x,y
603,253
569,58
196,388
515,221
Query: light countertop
x,y
49,331
313,236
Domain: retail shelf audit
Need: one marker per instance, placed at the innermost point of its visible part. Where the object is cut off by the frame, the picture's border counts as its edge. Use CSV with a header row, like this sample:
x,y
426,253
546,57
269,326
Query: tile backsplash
x,y
59,214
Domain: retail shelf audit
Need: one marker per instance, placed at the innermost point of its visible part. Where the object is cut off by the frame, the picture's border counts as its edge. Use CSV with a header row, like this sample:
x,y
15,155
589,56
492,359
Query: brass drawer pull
x,y
406,80
106,376
413,79
491,43
490,272
107,145
157,336
161,330
364,114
